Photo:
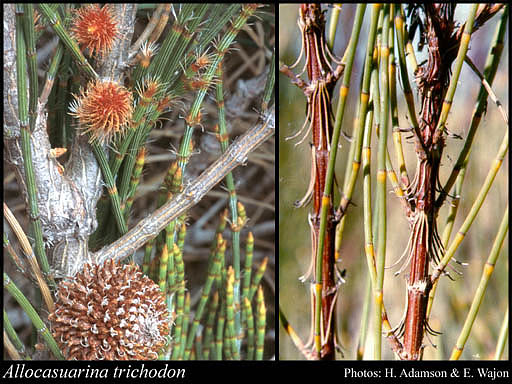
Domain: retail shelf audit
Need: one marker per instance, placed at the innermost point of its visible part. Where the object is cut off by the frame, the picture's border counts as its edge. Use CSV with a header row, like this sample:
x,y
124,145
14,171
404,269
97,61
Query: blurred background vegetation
x,y
453,298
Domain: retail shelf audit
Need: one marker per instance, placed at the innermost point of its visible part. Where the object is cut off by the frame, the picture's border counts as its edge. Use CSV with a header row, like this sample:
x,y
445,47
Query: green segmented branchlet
x,y
176,184
162,274
208,345
268,92
136,136
162,197
173,173
117,159
409,98
257,278
230,314
55,21
458,172
167,183
488,269
249,320
248,265
197,352
185,325
209,31
60,55
246,277
175,40
233,207
220,275
171,273
503,337
26,145
64,119
381,177
58,129
369,229
14,338
140,132
365,312
30,41
213,267
219,336
52,71
154,266
333,25
165,194
145,106
221,226
111,186
39,325
260,324
221,49
461,54
145,116
214,246
180,301
397,137
182,232
491,66
139,137
228,355
134,182
147,256
172,62
475,208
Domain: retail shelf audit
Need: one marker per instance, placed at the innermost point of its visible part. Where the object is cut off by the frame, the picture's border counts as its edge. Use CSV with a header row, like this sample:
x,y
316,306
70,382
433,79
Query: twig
x,y
147,31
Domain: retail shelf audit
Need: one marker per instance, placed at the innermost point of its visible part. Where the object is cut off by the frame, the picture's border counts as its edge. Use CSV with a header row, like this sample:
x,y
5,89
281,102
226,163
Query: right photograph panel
x,y
393,182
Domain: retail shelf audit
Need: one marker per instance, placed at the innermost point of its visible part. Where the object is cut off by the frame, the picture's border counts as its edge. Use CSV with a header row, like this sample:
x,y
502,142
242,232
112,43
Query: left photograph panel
x,y
139,181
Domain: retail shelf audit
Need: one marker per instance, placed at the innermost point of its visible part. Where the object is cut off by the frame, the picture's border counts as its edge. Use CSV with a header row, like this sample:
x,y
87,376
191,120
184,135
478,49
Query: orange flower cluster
x,y
95,28
104,109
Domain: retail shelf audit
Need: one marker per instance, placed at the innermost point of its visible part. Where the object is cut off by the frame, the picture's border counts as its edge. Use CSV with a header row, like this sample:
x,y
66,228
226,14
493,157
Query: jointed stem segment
x,y
326,134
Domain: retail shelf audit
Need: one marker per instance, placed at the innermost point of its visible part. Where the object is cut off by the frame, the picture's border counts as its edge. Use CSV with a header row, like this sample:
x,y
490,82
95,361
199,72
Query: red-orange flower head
x,y
95,28
103,109
110,311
